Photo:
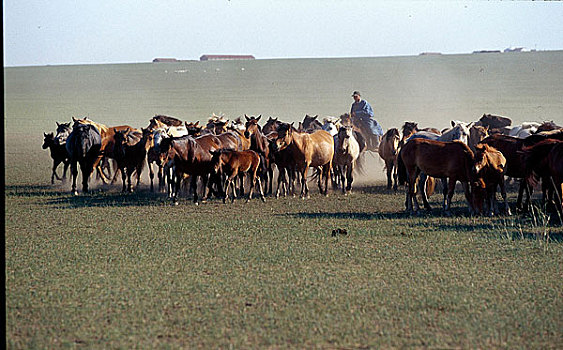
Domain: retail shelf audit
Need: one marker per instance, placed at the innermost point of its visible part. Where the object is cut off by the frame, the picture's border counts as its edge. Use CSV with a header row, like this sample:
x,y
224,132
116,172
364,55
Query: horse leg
x,y
468,197
389,169
327,168
54,172
395,175
86,171
74,172
349,177
451,189
123,179
260,189
65,168
422,188
151,176
304,186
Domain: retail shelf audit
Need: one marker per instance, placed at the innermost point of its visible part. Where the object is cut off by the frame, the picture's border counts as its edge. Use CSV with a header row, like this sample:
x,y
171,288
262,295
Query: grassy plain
x,y
130,271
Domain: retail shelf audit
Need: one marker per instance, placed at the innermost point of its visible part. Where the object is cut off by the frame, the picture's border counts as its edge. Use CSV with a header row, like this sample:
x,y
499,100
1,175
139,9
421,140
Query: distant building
x,y
487,51
225,57
156,60
516,49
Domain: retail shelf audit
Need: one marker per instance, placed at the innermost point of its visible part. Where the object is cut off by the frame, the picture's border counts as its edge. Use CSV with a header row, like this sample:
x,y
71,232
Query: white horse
x,y
346,157
332,125
521,131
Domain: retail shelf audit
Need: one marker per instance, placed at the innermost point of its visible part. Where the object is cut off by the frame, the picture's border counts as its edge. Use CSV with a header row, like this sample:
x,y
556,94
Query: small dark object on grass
x,y
341,231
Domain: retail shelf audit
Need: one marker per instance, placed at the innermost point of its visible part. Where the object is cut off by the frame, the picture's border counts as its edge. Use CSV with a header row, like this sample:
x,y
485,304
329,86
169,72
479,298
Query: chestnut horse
x,y
452,160
83,146
237,164
308,150
490,165
388,151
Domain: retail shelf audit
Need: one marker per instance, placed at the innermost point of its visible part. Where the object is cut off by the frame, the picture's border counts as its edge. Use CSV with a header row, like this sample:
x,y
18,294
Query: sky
x,y
55,32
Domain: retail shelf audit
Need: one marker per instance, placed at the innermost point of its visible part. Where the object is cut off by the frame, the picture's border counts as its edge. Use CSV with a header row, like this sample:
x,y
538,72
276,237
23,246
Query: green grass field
x,y
107,270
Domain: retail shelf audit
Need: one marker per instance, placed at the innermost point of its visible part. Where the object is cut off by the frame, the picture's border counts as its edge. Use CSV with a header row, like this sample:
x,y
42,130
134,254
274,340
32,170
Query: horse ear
x,y
246,117
316,116
115,130
470,125
58,124
73,119
258,119
44,134
453,123
196,123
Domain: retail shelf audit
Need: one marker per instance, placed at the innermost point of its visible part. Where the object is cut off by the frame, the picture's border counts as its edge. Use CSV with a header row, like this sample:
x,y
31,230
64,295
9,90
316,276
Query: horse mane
x,y
170,121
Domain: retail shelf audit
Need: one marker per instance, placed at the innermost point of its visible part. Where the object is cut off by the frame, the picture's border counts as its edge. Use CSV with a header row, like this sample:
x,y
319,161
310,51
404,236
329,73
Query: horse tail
x,y
360,168
401,169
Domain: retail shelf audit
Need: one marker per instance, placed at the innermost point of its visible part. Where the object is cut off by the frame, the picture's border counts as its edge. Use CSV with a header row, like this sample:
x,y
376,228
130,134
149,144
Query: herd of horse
x,y
216,158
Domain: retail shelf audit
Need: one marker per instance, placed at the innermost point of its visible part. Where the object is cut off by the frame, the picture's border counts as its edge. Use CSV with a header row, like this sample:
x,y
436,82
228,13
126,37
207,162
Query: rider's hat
x,y
356,93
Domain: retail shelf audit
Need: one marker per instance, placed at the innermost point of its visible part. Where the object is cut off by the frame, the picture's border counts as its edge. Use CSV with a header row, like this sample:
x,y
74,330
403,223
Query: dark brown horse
x,y
83,146
544,160
130,152
308,150
259,143
193,157
311,124
59,155
452,160
271,125
511,148
234,164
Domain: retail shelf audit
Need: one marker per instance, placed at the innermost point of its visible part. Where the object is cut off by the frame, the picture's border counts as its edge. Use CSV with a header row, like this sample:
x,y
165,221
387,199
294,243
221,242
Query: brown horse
x,y
477,134
511,148
237,164
190,156
489,165
543,160
308,150
452,160
388,151
259,143
271,125
131,146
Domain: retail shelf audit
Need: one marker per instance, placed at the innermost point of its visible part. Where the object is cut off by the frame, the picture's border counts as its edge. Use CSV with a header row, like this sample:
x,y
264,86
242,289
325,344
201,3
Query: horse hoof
x,y
75,193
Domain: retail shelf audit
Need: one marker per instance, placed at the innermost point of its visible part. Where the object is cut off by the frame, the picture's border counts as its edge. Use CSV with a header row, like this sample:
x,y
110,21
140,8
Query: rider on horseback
x,y
362,113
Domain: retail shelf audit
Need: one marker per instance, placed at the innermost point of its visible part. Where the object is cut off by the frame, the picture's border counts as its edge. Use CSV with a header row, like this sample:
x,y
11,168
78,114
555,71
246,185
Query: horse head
x,y
48,140
194,129
345,133
285,137
271,125
251,125
63,130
